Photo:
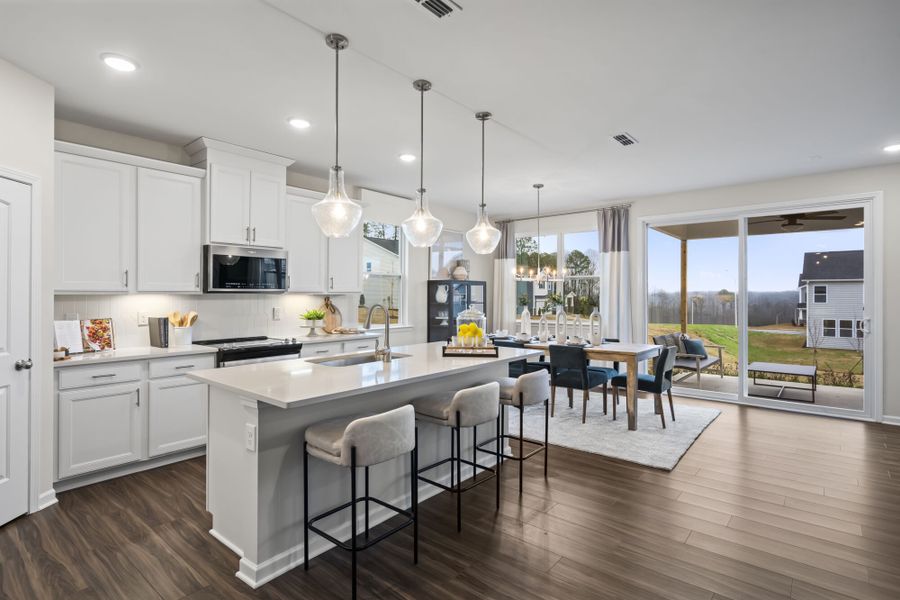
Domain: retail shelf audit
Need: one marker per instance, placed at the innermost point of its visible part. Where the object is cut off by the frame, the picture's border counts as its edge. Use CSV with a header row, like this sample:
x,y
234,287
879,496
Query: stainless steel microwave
x,y
243,269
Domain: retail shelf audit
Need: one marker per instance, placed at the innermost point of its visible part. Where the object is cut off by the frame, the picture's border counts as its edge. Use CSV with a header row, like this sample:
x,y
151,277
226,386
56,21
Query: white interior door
x,y
15,364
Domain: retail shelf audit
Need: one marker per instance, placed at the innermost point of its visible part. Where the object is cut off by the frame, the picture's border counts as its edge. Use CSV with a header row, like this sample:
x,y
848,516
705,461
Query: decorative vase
x,y
460,273
441,294
526,321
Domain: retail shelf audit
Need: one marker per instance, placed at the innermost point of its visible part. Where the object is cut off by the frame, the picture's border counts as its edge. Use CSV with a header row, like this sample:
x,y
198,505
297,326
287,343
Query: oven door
x,y
241,269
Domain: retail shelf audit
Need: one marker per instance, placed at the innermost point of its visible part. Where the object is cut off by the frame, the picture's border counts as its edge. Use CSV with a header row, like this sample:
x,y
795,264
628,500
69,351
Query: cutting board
x,y
333,317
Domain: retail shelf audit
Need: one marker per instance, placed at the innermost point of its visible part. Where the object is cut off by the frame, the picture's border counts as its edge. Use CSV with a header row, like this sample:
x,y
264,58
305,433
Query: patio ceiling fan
x,y
794,222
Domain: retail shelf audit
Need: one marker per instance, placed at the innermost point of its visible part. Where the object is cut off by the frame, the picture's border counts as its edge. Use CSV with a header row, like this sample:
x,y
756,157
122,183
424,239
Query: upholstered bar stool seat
x,y
526,390
362,441
469,407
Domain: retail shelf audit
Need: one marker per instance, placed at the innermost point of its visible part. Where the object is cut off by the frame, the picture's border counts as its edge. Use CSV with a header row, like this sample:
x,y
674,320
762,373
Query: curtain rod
x,y
570,212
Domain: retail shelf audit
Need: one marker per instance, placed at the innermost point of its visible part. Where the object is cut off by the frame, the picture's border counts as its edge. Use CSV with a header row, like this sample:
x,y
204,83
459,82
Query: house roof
x,y
392,246
831,266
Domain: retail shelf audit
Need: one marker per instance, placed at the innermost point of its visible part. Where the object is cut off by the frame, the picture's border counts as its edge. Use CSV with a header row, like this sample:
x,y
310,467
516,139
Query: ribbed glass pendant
x,y
422,228
484,237
336,214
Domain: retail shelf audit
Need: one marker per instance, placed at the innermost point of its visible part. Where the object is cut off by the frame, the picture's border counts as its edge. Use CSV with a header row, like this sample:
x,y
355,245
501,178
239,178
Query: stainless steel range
x,y
248,350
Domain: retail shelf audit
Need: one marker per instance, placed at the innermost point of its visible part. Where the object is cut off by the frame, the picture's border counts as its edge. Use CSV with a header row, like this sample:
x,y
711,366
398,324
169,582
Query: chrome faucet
x,y
384,353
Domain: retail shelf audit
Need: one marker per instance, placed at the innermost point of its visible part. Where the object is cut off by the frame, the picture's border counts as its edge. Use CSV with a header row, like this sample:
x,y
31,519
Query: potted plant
x,y
313,319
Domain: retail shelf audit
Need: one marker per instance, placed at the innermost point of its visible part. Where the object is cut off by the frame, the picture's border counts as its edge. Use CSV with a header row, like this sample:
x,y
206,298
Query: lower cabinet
x,y
177,415
99,427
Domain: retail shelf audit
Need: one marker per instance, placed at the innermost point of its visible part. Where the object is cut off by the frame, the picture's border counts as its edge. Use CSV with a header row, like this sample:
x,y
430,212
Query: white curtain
x,y
503,307
615,273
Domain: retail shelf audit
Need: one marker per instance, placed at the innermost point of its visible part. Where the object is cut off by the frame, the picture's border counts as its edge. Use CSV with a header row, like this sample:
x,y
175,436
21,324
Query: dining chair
x,y
568,369
610,373
658,383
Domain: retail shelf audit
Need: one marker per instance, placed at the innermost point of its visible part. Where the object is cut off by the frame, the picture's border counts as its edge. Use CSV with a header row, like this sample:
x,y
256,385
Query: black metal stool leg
x,y
415,497
353,517
521,440
498,455
458,476
452,455
305,509
367,502
546,434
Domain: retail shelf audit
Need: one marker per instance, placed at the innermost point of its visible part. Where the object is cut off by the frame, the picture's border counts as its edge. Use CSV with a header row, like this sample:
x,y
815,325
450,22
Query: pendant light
x,y
484,237
422,228
336,214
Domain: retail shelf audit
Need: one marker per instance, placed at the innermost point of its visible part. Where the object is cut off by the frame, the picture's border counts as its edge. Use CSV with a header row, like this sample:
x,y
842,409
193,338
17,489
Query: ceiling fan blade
x,y
779,220
824,218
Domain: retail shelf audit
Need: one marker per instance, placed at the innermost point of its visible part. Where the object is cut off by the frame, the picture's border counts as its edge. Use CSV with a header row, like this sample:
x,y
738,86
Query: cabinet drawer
x,y
314,350
360,345
169,367
78,377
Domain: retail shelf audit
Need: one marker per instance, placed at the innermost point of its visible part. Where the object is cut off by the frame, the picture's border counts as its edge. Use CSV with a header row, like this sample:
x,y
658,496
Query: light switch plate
x,y
276,313
250,436
142,319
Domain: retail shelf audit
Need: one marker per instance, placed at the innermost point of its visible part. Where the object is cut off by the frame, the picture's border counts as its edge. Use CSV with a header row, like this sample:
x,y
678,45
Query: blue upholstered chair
x,y
520,367
610,371
656,384
568,369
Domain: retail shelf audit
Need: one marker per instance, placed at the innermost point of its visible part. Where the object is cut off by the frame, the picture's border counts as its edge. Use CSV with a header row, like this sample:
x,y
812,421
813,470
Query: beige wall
x,y
856,181
26,146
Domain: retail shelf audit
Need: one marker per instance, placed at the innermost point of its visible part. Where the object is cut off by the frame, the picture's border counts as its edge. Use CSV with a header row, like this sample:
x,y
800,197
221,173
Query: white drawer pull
x,y
184,367
321,351
362,347
103,376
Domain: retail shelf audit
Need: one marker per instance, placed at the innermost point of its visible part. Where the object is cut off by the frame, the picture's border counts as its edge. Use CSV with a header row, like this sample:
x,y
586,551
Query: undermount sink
x,y
353,359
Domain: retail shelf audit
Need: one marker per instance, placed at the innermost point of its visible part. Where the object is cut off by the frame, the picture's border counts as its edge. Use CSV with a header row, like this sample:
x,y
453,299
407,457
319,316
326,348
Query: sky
x,y
774,261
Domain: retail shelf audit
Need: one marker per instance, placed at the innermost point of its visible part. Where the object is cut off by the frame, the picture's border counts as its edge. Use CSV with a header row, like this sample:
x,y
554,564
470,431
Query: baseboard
x,y
136,467
47,499
255,575
887,420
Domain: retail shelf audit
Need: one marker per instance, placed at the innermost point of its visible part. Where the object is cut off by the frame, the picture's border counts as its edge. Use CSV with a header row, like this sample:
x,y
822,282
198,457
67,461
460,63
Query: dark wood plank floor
x,y
766,505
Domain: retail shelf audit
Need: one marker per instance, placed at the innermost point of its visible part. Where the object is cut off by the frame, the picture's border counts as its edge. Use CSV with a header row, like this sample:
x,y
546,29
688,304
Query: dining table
x,y
630,354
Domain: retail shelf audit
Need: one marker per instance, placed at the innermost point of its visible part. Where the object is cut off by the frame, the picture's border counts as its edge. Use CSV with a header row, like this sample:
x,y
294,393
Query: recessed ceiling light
x,y
892,148
119,62
298,123
407,157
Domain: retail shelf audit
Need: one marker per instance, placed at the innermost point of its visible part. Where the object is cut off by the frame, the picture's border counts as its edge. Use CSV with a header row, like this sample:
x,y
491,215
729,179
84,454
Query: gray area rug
x,y
650,445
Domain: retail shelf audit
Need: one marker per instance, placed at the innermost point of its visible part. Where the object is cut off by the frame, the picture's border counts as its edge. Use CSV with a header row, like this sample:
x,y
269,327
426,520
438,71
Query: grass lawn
x,y
768,347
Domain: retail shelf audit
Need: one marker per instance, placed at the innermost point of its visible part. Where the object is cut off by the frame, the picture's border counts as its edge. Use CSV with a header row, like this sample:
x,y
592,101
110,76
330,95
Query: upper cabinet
x,y
345,263
169,245
125,223
243,202
306,244
94,224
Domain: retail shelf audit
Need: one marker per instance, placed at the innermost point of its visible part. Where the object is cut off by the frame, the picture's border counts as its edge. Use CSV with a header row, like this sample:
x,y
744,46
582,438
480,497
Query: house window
x,y
846,328
828,328
384,267
820,294
860,329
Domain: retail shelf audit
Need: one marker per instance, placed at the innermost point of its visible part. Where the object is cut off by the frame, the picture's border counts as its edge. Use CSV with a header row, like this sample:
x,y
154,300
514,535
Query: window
x,y
828,327
582,259
860,328
846,328
820,294
384,266
536,295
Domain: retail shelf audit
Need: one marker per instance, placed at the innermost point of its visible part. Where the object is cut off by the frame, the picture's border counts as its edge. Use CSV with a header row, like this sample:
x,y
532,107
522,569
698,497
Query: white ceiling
x,y
716,91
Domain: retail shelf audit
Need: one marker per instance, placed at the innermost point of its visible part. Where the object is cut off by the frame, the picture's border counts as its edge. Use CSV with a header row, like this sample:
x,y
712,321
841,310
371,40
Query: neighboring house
x,y
831,298
381,271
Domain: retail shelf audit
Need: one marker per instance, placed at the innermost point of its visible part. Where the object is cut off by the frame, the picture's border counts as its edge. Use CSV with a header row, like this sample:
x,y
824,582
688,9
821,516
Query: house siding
x,y
845,301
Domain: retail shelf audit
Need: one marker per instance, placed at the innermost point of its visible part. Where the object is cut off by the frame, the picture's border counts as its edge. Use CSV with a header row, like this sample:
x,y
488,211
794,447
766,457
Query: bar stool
x,y
526,390
470,407
362,442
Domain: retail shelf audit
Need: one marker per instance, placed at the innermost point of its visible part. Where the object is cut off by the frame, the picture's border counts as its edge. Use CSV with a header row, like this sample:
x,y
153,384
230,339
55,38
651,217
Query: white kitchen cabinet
x,y
345,263
267,210
169,232
99,427
306,244
229,205
176,417
95,233
360,345
319,350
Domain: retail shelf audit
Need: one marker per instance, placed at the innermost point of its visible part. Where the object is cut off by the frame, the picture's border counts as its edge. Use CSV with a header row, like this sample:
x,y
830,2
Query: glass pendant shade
x,y
484,237
422,228
336,214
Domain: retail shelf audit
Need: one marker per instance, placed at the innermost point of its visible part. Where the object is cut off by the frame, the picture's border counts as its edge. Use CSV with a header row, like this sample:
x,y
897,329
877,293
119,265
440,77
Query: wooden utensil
x,y
175,318
191,318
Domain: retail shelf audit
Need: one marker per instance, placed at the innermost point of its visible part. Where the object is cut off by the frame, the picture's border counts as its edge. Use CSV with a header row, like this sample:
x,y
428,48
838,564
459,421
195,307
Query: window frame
x,y
833,328
841,329
815,294
403,312
860,328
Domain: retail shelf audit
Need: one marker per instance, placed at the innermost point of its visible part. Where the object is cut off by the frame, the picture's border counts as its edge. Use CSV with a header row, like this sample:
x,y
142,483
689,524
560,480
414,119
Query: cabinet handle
x,y
184,367
103,376
138,401
321,351
361,347
254,234
197,281
289,281
248,234
126,277
332,282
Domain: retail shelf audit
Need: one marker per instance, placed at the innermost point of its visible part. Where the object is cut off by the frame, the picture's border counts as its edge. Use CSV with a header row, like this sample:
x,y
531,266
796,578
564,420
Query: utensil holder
x,y
182,336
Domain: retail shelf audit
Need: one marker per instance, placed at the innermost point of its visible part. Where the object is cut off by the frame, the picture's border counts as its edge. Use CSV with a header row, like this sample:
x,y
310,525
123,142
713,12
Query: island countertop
x,y
293,383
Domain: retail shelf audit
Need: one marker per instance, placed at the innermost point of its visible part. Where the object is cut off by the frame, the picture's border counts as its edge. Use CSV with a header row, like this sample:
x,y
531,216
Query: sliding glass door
x,y
781,300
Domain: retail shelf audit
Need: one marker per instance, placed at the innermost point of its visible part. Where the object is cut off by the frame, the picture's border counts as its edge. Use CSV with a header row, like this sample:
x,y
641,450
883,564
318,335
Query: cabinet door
x,y
94,225
177,415
169,243
266,210
306,246
345,263
229,204
99,427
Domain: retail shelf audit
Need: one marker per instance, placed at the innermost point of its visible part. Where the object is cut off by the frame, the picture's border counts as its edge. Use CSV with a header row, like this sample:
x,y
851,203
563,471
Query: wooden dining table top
x,y
622,349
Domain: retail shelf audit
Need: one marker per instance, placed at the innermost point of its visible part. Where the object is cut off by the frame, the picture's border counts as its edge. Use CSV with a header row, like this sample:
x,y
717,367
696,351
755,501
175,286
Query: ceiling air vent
x,y
625,139
439,8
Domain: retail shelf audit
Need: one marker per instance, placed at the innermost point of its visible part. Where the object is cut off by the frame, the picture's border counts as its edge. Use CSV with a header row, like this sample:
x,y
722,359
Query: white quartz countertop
x,y
293,383
136,353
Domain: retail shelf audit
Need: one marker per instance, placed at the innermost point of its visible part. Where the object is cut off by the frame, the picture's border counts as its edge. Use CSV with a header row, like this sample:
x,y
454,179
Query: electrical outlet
x,y
142,319
276,313
250,436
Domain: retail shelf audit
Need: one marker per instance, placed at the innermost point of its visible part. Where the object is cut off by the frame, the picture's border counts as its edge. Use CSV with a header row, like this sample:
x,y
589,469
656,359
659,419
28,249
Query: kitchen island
x,y
257,416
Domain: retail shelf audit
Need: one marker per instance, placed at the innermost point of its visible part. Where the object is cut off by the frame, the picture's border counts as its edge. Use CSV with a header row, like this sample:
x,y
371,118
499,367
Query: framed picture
x,y
97,335
444,254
